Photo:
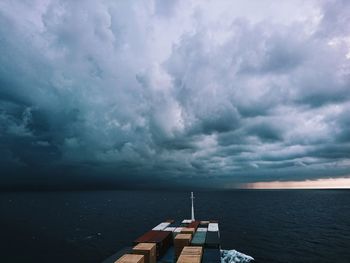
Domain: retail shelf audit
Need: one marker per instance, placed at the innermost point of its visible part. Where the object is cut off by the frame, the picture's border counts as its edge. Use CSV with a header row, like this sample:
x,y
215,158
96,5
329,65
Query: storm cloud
x,y
173,93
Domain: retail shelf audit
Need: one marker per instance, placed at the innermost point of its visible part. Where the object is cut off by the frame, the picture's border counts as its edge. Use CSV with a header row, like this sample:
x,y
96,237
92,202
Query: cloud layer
x,y
174,92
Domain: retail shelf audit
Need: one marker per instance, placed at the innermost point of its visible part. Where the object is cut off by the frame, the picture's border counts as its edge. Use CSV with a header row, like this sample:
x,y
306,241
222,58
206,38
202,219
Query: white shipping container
x,y
178,229
202,229
213,227
172,229
186,221
161,226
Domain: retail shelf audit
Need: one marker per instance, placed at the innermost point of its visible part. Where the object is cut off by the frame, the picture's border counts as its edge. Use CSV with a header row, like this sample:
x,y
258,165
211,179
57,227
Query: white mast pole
x,y
192,210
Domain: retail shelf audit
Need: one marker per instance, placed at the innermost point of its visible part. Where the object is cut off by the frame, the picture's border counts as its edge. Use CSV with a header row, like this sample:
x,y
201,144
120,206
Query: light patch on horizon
x,y
328,183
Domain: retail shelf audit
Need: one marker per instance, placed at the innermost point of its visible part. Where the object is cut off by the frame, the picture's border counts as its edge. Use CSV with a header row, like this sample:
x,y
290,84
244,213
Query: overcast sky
x,y
173,93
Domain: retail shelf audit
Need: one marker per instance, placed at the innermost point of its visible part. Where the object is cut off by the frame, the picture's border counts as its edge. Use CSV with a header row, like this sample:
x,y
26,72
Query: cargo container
x,y
211,255
213,227
116,256
161,226
199,239
194,225
190,254
178,229
189,250
188,259
169,256
191,242
163,239
145,237
172,229
180,241
188,230
148,250
131,258
212,240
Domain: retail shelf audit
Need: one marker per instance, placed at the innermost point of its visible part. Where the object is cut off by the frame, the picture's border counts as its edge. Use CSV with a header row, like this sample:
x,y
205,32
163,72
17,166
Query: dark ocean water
x,y
272,226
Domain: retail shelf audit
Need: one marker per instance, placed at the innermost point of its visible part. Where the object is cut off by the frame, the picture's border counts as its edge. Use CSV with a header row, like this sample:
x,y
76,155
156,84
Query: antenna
x,y
192,210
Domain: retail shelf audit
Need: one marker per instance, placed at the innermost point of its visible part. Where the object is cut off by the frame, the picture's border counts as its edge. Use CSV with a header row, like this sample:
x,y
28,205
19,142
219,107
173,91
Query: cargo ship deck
x,y
186,241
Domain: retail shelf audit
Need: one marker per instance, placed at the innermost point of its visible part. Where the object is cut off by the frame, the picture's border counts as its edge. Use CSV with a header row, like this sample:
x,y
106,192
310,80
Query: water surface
x,y
272,226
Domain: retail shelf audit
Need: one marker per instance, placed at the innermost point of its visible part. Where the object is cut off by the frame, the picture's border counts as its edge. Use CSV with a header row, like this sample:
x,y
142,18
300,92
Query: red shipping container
x,y
146,237
194,224
163,239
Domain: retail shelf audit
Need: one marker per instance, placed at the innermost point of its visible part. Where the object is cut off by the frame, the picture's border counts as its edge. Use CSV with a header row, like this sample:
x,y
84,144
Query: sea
x,y
289,226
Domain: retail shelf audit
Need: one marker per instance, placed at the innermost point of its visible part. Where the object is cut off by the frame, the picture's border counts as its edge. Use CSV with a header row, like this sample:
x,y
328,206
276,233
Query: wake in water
x,y
233,256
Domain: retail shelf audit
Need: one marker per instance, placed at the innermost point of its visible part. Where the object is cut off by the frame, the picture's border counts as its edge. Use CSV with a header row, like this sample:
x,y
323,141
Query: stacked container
x,y
145,237
171,229
180,241
192,251
131,258
194,224
213,227
212,239
188,230
185,222
211,255
178,230
120,253
161,226
148,250
199,238
163,240
204,223
169,256
190,255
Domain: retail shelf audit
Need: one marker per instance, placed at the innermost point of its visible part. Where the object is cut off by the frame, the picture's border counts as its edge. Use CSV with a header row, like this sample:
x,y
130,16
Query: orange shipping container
x,y
188,250
148,250
188,230
189,259
131,258
180,241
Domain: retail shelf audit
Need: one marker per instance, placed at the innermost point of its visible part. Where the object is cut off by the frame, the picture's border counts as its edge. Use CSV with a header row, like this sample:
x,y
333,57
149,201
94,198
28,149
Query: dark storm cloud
x,y
173,93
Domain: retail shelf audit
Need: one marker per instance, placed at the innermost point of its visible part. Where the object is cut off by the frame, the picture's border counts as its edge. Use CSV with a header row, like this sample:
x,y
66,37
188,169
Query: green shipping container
x,y
198,239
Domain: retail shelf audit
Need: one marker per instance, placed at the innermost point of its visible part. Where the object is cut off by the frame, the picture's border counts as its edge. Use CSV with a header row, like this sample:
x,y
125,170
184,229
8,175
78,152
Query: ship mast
x,y
192,210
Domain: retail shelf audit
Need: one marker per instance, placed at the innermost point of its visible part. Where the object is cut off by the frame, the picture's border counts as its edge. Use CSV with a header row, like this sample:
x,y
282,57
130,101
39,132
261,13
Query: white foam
x,y
233,256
